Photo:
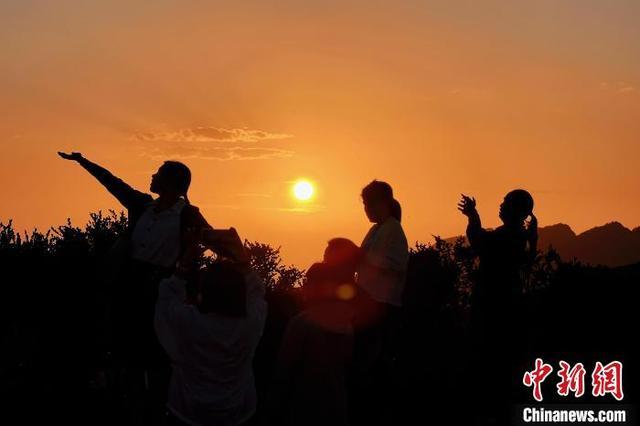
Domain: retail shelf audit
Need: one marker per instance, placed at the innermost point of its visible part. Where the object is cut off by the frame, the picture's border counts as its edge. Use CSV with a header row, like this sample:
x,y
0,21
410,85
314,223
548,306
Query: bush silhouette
x,y
54,288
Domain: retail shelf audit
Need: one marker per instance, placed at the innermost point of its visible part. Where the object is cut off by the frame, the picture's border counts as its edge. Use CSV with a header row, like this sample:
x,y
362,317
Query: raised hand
x,y
532,225
74,156
467,205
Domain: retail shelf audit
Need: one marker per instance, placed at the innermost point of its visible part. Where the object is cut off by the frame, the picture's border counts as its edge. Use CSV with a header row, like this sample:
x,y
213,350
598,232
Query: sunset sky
x,y
435,97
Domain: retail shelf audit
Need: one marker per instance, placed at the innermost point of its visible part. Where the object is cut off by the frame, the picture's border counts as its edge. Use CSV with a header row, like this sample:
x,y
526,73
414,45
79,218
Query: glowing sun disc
x,y
303,190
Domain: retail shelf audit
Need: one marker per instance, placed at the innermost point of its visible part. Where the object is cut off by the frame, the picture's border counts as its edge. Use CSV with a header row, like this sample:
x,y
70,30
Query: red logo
x,y
605,379
536,377
572,379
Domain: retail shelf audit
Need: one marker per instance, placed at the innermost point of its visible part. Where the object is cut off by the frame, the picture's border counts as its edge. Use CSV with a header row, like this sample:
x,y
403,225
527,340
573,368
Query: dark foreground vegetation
x,y
53,366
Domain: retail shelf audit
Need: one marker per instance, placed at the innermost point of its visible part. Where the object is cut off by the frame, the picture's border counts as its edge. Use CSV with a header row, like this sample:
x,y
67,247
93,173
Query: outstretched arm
x,y
127,196
474,228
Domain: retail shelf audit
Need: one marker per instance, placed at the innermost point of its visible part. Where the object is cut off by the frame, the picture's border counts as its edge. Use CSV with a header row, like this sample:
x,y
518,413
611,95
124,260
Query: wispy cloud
x,y
212,143
220,153
211,134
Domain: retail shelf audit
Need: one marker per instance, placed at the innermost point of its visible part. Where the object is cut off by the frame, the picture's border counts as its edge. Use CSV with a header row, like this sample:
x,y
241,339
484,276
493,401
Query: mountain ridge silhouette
x,y
611,244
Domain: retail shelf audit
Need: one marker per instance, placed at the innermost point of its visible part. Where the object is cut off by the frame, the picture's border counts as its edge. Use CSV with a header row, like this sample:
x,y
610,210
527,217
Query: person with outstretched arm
x,y
148,252
156,225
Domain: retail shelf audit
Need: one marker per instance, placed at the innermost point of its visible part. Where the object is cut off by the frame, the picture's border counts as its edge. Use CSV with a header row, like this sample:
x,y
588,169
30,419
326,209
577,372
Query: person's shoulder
x,y
190,210
191,207
393,226
392,222
192,214
141,200
147,198
372,230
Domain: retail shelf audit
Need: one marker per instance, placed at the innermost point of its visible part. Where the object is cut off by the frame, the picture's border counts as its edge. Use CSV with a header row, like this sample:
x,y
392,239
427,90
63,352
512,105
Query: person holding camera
x,y
211,339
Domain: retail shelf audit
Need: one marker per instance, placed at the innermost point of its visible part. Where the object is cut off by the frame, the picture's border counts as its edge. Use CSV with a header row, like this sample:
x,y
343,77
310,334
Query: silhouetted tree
x,y
266,261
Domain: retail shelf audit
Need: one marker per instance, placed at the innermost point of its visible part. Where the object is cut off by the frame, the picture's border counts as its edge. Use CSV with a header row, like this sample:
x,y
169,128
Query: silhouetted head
x,y
379,203
173,177
222,290
317,282
323,283
344,256
517,205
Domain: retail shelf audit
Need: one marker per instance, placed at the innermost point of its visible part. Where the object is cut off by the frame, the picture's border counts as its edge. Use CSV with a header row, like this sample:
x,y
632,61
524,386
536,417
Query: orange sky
x,y
437,98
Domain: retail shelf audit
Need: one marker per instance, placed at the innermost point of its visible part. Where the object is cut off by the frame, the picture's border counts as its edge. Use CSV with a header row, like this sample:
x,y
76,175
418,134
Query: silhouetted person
x,y
156,225
381,278
385,252
212,341
149,250
310,381
497,300
344,256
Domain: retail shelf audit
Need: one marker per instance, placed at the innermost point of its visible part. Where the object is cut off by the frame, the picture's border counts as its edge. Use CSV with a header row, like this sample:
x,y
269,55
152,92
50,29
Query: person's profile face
x,y
370,210
376,210
327,256
508,211
332,256
157,179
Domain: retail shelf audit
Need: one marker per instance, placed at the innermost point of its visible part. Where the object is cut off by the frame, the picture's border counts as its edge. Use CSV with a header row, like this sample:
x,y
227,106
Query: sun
x,y
303,190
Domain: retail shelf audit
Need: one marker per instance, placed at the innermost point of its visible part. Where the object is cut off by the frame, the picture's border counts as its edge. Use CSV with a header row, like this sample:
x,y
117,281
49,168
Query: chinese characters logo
x,y
605,379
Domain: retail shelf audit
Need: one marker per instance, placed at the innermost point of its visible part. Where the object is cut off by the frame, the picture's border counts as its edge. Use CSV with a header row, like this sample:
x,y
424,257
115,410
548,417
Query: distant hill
x,y
611,244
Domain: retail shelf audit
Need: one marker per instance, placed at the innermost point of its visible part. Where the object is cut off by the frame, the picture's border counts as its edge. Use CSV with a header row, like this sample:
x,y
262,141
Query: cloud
x,y
220,153
211,134
212,143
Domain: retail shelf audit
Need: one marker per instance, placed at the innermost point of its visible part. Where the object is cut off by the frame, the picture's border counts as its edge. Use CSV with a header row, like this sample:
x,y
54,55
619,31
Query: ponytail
x,y
396,210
